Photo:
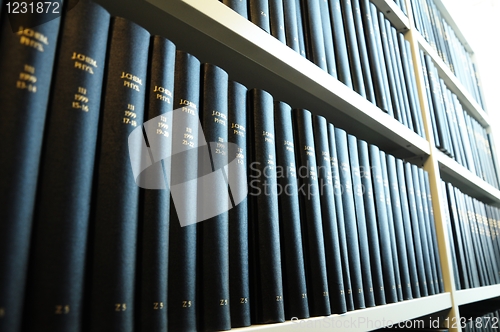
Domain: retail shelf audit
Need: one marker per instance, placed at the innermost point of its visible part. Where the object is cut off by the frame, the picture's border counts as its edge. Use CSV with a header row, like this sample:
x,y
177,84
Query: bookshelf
x,y
216,34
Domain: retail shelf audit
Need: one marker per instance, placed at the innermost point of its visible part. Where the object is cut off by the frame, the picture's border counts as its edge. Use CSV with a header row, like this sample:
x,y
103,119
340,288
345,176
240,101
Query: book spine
x,y
239,284
410,245
328,38
364,250
313,33
182,285
65,187
300,28
351,231
339,40
213,181
371,223
352,48
258,12
383,225
338,190
266,257
277,20
26,65
292,253
156,199
291,25
397,213
312,223
329,216
117,202
239,6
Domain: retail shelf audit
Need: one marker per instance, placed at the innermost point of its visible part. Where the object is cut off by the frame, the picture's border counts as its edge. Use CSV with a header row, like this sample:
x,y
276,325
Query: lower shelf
x,y
365,319
472,295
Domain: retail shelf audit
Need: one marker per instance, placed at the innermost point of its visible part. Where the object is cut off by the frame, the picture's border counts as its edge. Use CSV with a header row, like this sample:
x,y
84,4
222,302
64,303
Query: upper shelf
x,y
365,319
472,295
454,84
393,13
216,34
467,182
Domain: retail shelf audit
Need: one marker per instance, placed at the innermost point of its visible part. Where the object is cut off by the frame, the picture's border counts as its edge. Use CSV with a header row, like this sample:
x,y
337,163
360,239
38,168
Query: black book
x,y
329,216
26,65
415,230
363,51
117,199
339,40
239,284
312,215
364,248
352,48
383,226
390,222
292,253
239,6
399,232
373,56
59,246
183,266
277,20
291,26
265,256
430,272
341,235
371,223
351,231
410,245
428,100
214,200
458,275
300,28
313,33
258,12
154,229
328,38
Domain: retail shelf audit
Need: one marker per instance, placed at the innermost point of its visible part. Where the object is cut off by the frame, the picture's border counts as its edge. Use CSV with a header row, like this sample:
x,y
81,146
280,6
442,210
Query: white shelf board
x,y
393,13
365,319
217,34
466,181
454,84
472,295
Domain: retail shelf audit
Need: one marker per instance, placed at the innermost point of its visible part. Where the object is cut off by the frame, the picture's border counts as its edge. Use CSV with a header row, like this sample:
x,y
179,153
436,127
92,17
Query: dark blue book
x,y
312,218
291,25
277,20
112,297
258,13
296,296
214,231
328,38
239,6
329,216
364,249
59,248
239,283
153,259
342,262
350,222
300,28
313,33
265,255
383,225
26,65
339,40
371,223
183,267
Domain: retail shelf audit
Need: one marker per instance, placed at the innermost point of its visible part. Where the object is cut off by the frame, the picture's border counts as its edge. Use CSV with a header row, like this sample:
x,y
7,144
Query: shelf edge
x,y
477,294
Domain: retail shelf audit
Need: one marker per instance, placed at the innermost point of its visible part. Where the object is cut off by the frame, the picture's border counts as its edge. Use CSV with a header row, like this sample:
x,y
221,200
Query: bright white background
x,y
479,21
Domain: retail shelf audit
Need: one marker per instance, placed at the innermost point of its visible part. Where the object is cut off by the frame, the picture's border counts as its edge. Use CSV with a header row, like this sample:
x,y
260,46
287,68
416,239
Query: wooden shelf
x,y
472,295
466,181
217,34
365,319
393,13
454,84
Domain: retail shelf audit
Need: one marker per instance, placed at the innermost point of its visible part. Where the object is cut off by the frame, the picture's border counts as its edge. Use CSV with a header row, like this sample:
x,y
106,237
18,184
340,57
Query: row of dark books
x,y
202,246
457,133
402,5
351,40
474,232
441,36
486,323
